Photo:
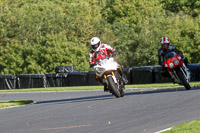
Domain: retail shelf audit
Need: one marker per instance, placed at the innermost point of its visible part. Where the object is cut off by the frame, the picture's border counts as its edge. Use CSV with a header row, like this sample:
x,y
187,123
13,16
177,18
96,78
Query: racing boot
x,y
125,81
105,88
98,79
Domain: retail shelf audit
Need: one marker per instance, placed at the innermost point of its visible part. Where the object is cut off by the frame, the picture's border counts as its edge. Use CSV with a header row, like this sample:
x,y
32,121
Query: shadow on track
x,y
80,99
109,96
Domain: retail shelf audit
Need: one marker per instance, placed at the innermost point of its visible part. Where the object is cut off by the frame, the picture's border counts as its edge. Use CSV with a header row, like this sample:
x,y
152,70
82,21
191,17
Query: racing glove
x,y
114,53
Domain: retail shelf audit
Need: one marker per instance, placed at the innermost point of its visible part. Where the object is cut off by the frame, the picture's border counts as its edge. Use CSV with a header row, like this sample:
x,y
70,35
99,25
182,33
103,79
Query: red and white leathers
x,y
103,52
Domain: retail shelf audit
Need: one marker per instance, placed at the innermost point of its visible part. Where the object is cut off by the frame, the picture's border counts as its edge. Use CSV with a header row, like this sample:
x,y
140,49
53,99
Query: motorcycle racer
x,y
101,51
167,47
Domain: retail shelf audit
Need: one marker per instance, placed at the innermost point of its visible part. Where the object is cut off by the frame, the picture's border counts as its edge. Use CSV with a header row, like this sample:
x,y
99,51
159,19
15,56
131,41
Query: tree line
x,y
38,35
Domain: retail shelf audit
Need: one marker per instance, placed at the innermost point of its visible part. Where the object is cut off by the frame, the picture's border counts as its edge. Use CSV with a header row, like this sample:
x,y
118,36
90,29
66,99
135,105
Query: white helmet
x,y
165,40
165,43
95,43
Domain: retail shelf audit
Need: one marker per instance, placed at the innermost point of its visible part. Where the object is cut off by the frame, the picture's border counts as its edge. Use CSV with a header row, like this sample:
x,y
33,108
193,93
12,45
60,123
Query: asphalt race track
x,y
139,111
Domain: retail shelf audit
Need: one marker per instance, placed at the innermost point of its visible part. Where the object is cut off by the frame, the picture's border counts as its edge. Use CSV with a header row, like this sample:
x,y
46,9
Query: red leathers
x,y
103,52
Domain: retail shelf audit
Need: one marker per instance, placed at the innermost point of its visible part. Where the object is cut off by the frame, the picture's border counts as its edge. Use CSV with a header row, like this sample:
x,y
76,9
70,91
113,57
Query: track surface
x,y
145,111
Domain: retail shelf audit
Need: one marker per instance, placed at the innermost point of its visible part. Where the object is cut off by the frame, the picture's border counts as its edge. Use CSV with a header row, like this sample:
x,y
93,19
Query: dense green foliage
x,y
191,7
38,35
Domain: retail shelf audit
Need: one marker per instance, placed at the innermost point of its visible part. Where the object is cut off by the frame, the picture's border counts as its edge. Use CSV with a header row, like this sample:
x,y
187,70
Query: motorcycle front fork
x,y
174,76
185,72
117,79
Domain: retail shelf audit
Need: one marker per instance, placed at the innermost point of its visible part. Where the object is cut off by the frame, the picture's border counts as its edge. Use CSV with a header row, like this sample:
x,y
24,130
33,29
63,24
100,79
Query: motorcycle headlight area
x,y
171,65
100,69
176,62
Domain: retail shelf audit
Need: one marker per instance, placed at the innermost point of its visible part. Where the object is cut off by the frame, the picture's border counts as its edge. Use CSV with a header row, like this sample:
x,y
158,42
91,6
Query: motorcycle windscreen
x,y
170,55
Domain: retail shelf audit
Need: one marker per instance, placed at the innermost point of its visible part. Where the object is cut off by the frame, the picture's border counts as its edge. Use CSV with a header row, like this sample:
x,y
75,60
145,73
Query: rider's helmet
x,y
95,43
165,42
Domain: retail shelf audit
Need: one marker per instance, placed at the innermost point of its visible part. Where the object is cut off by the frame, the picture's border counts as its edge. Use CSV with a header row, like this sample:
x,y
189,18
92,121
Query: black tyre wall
x,y
7,82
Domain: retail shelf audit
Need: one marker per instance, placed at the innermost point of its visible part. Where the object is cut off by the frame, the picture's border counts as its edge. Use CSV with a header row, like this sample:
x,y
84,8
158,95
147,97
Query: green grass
x,y
54,89
188,127
193,84
4,104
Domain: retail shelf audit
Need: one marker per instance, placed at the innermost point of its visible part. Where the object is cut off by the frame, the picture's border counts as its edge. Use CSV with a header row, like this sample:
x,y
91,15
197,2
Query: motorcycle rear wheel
x,y
113,87
182,79
122,93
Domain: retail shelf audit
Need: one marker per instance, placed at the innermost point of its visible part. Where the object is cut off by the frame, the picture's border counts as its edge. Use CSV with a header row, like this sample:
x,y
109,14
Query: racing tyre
x,y
113,87
183,80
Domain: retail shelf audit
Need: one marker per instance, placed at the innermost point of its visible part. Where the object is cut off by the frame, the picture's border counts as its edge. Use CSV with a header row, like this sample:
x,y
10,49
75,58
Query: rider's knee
x,y
185,60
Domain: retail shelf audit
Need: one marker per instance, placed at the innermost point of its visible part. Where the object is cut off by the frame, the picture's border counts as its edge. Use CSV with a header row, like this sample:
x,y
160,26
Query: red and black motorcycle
x,y
177,69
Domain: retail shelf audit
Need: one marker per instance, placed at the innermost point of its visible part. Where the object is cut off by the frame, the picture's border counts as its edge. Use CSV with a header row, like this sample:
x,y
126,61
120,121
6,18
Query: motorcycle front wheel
x,y
183,79
113,87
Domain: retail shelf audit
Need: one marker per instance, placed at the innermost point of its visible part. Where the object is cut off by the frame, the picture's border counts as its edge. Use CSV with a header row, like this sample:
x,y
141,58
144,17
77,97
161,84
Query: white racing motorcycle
x,y
107,70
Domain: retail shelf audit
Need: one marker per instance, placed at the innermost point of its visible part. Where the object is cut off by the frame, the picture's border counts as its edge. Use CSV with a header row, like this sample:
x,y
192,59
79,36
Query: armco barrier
x,y
195,71
31,81
57,79
142,75
92,78
135,75
158,78
7,82
77,78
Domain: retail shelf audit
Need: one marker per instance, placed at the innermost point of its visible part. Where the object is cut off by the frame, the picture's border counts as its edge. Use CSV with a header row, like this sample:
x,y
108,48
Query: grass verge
x,y
4,104
158,85
188,127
